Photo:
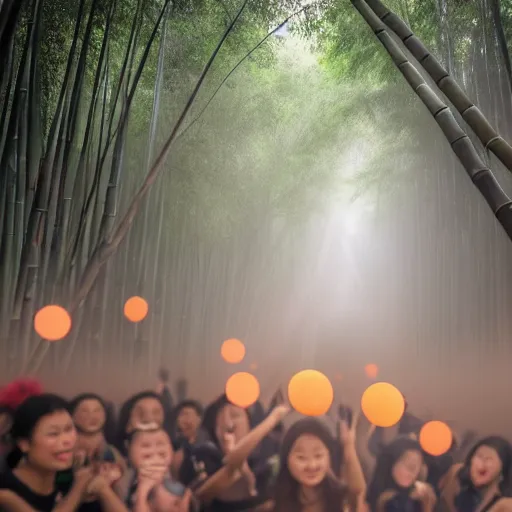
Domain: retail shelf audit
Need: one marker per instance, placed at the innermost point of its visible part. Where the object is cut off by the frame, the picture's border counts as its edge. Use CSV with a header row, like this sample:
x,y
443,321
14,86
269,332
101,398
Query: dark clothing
x,y
468,500
403,503
40,502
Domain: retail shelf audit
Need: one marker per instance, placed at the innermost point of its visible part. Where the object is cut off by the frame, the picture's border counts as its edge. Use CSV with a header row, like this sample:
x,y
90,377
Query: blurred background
x,y
310,206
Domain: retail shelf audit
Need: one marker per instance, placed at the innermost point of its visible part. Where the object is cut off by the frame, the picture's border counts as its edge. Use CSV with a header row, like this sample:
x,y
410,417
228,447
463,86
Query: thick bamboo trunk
x,y
462,146
469,112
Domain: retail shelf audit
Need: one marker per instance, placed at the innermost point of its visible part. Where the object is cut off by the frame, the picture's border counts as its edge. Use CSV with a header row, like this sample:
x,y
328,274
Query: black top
x,y
403,503
40,502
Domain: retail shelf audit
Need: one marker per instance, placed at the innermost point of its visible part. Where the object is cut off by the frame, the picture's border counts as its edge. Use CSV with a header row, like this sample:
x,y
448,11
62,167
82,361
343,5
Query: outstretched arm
x,y
224,477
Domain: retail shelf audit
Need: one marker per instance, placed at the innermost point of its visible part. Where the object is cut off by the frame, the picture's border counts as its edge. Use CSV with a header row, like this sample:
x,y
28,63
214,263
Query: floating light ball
x,y
310,393
232,351
136,309
436,437
371,370
383,404
52,323
242,389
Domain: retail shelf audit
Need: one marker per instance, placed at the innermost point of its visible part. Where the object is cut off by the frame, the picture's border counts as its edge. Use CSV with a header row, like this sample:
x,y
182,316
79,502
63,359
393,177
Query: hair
x,y
75,402
287,489
504,451
210,417
27,416
382,479
124,417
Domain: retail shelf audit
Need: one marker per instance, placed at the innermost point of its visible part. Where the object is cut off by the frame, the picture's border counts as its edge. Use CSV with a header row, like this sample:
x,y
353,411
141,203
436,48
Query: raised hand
x,y
280,412
425,494
82,476
348,432
150,475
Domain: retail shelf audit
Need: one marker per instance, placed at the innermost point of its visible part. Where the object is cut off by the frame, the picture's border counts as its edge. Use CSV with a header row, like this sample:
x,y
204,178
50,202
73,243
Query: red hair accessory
x,y
17,391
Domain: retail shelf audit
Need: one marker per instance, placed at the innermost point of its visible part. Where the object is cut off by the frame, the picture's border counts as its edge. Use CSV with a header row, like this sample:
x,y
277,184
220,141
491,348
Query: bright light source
x,y
352,221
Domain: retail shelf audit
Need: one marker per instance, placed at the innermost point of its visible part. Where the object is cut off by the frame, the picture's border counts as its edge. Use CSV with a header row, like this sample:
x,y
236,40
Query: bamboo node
x,y
491,141
476,174
460,138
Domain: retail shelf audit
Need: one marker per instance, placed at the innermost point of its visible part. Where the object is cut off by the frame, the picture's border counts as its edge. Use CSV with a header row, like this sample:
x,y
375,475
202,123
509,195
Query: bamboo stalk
x,y
481,176
43,184
109,245
70,181
470,113
9,14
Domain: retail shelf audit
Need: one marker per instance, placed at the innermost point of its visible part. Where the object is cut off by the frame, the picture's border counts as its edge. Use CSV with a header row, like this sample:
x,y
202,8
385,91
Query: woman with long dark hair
x,y
228,473
307,480
484,482
395,485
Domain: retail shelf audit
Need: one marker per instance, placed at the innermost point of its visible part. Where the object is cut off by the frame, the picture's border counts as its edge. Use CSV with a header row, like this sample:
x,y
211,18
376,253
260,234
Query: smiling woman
x,y
45,437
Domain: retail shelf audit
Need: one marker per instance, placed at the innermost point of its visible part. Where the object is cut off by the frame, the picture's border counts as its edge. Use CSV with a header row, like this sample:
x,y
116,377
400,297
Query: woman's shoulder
x,y
9,482
503,505
9,500
15,495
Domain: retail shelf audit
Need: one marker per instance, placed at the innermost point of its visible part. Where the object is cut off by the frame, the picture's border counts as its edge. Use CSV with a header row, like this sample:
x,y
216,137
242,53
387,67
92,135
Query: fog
x,y
325,226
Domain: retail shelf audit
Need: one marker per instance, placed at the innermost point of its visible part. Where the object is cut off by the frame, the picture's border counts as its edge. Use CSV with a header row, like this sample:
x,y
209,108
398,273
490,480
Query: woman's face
x,y
146,410
406,469
150,448
309,460
232,424
89,416
188,422
485,467
52,442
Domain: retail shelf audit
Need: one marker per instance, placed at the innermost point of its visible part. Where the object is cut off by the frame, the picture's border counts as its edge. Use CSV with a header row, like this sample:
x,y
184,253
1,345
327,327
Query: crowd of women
x,y
65,455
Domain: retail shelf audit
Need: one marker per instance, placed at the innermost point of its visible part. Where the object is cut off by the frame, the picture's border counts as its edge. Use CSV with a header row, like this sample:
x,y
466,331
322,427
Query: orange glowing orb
x,y
232,351
436,437
371,370
136,309
310,393
383,404
243,389
52,323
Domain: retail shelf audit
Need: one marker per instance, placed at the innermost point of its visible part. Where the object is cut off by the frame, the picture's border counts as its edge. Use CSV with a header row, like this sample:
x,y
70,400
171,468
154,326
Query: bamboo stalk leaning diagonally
x,y
473,116
461,144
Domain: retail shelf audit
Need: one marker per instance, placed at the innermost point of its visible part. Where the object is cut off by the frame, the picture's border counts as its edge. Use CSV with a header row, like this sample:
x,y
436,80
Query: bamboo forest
x,y
328,181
